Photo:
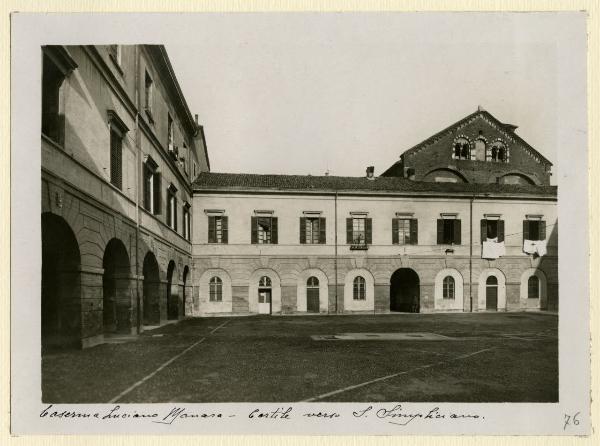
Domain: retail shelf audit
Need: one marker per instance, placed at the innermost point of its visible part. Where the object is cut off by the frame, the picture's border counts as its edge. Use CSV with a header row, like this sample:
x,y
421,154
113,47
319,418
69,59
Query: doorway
x,y
491,293
264,295
405,291
312,295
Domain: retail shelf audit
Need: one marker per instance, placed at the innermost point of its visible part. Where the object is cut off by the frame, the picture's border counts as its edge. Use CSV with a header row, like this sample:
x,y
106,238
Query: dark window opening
x,y
52,118
448,231
533,288
116,159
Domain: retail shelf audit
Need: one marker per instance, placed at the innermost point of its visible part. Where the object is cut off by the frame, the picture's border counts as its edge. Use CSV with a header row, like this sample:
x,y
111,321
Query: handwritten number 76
x,y
571,420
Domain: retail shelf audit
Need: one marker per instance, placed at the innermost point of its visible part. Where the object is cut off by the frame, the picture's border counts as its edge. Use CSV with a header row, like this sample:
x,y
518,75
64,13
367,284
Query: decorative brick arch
x,y
481,289
447,170
275,290
359,305
323,289
533,304
456,304
203,299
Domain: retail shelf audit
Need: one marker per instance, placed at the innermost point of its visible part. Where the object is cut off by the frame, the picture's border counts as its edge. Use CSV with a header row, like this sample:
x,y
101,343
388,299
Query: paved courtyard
x,y
488,357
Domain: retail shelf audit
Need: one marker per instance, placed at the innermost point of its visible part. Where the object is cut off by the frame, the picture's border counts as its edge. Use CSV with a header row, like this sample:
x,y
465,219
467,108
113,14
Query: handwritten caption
x,y
394,414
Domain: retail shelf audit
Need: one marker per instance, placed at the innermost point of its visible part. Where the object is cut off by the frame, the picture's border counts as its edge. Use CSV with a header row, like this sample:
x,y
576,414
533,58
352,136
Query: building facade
x,y
120,150
465,222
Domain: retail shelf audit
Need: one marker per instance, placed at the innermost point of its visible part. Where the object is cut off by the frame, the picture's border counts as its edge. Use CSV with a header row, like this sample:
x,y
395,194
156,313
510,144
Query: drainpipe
x,y
471,253
138,149
336,250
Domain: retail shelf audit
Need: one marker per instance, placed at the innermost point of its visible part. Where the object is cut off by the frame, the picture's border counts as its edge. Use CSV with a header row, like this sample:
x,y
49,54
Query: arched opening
x,y
172,298
151,290
405,291
116,299
533,287
61,284
515,178
312,295
491,293
444,175
186,304
264,295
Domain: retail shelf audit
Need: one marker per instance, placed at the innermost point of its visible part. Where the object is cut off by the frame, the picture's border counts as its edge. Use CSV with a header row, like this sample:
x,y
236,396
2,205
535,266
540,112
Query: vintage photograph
x,y
281,211
433,277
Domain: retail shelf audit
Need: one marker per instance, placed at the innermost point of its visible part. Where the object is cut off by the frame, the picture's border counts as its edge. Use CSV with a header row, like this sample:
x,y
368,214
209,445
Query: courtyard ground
x,y
485,357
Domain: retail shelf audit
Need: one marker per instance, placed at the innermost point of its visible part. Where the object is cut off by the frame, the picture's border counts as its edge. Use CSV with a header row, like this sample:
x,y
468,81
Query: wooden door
x,y
312,300
491,297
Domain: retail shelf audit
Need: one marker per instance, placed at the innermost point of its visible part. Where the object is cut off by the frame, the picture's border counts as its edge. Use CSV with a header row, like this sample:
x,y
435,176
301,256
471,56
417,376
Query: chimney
x,y
196,118
370,172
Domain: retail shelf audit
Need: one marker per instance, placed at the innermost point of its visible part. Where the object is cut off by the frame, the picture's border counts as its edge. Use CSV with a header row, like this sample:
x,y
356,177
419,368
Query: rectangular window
x,y
404,231
148,96
152,187
116,159
194,169
186,221
172,207
170,143
534,230
492,229
358,232
264,230
52,121
312,230
217,229
448,231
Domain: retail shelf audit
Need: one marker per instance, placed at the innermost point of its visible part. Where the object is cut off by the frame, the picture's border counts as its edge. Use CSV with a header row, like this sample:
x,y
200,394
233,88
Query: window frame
x,y
449,288
172,207
537,287
149,96
215,289
359,288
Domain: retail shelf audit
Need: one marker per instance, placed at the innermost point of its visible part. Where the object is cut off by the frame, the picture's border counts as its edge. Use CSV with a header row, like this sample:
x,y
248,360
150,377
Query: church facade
x,y
465,222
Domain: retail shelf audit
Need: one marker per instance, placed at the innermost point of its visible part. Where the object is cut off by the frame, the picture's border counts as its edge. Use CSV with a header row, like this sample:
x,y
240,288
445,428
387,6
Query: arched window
x,y
461,149
359,289
448,287
264,282
492,281
215,289
312,282
533,288
499,152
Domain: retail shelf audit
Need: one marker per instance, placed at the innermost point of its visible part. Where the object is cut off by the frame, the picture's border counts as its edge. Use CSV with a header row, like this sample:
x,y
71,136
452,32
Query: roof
x,y
508,129
243,182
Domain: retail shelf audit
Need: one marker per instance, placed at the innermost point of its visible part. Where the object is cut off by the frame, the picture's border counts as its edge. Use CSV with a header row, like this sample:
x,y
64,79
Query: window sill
x,y
359,247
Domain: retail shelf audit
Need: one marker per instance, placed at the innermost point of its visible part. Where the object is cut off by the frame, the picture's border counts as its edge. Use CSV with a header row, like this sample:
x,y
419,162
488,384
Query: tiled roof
x,y
309,183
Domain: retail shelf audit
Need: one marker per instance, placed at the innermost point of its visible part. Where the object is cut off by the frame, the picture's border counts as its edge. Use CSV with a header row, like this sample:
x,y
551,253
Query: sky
x,y
310,93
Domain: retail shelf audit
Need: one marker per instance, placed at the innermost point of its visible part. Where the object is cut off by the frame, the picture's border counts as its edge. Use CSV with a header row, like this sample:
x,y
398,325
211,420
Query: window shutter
x,y
322,233
147,188
457,232
169,222
274,230
115,159
414,231
349,231
175,222
484,230
525,230
303,230
440,231
157,197
254,230
395,239
212,233
368,231
500,230
542,230
225,229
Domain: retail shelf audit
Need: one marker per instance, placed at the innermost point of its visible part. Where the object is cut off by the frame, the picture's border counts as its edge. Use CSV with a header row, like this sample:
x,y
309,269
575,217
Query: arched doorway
x,y
116,299
184,310
172,292
151,290
61,284
264,295
312,295
491,293
405,291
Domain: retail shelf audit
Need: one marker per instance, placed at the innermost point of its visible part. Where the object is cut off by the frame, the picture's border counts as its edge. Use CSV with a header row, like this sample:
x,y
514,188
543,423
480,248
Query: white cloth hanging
x,y
492,249
536,247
